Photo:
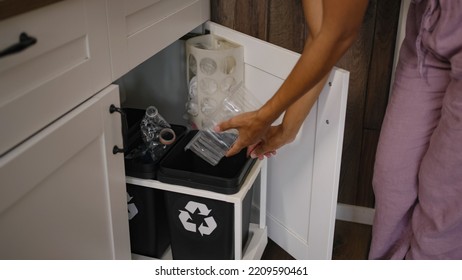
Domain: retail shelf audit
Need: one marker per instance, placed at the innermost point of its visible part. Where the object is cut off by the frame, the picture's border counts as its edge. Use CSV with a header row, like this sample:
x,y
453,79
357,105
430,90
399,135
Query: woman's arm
x,y
340,22
294,116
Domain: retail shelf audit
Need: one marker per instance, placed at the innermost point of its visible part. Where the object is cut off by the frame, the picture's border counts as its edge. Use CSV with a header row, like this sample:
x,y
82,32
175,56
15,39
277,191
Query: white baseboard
x,y
355,214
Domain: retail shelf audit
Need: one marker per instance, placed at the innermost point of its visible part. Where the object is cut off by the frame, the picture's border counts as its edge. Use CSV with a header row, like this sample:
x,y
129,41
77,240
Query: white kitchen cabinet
x,y
62,192
303,177
140,28
69,63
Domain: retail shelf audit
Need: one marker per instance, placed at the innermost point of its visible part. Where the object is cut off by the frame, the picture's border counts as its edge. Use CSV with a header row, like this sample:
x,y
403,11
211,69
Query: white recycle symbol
x,y
132,210
204,229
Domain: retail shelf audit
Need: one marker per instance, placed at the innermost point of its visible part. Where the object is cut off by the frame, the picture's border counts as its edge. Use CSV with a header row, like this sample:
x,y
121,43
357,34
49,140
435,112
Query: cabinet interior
x,y
160,81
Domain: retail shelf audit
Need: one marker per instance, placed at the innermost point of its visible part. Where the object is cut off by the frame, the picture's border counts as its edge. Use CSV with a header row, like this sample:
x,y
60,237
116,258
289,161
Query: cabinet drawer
x,y
138,29
68,63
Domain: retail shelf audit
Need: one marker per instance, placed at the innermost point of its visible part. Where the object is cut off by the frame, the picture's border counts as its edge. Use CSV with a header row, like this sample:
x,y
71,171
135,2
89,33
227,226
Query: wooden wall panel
x,y
365,195
286,24
378,85
369,61
357,61
246,16
223,12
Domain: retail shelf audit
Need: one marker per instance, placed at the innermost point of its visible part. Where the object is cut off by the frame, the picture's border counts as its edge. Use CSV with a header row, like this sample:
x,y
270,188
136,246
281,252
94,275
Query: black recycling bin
x,y
183,167
149,231
142,167
148,222
200,227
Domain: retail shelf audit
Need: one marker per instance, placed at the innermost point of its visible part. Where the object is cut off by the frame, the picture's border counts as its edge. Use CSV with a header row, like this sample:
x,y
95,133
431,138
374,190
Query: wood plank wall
x,y
369,61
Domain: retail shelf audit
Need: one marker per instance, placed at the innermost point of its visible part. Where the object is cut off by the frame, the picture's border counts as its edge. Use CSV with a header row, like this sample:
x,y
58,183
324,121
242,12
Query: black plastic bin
x,y
203,228
200,227
149,231
143,167
183,167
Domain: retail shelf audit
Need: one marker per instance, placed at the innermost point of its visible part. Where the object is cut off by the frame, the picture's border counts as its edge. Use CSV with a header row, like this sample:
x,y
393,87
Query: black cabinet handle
x,y
116,150
113,109
25,41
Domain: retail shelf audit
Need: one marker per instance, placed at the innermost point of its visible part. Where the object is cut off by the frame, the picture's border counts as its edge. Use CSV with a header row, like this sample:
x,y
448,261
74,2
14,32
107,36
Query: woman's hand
x,y
275,138
252,128
260,139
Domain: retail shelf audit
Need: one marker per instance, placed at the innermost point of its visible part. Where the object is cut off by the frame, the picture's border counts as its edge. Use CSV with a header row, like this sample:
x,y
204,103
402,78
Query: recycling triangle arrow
x,y
211,226
184,217
192,206
132,210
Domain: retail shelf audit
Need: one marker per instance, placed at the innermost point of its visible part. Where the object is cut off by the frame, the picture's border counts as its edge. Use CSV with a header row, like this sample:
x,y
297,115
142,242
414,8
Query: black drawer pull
x,y
113,109
25,41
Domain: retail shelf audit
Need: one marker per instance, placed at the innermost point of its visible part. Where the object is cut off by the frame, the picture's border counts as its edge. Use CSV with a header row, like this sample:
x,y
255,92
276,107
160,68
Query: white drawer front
x,y
67,65
140,28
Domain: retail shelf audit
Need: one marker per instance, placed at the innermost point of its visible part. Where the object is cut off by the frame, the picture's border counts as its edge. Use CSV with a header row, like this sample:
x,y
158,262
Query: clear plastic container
x,y
211,145
214,65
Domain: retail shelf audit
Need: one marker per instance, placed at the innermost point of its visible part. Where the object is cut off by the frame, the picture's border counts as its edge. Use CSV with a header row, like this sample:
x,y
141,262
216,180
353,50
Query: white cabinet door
x,y
62,192
68,64
303,177
139,29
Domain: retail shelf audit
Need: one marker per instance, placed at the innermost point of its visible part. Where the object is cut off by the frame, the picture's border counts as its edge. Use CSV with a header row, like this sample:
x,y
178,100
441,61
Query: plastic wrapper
x,y
211,145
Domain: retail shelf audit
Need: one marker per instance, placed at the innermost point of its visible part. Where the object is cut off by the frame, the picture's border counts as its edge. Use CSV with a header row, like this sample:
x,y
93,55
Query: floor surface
x,y
351,242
